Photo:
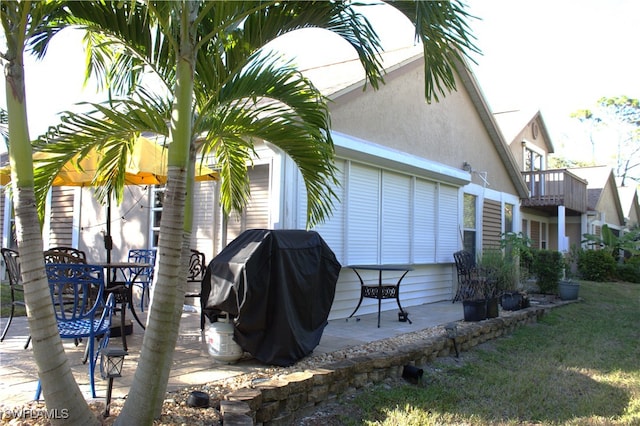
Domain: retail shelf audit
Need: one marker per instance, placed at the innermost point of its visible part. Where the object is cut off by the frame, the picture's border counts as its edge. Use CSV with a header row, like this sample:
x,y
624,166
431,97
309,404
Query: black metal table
x,y
381,291
123,289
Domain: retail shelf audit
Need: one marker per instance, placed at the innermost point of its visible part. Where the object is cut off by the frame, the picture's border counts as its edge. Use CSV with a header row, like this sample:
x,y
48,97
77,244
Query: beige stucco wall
x,y
397,116
607,204
538,142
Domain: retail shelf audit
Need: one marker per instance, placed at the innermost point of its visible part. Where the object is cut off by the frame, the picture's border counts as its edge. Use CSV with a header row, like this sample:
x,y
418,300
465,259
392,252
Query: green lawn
x,y
5,297
580,365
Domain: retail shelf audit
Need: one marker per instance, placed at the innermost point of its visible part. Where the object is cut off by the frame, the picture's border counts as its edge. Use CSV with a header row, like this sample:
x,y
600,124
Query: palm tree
x,y
24,23
221,92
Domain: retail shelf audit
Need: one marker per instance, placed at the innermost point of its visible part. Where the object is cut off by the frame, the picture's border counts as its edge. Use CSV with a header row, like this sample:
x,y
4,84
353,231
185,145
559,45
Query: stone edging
x,y
281,400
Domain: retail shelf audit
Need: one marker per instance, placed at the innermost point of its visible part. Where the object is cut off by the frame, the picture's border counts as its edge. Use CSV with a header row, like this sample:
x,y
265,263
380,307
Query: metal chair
x,y
70,252
12,264
197,269
471,278
85,313
142,277
58,255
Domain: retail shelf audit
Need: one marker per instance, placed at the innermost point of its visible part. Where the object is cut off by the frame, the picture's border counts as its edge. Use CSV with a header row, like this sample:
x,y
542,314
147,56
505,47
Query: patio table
x,y
123,289
381,291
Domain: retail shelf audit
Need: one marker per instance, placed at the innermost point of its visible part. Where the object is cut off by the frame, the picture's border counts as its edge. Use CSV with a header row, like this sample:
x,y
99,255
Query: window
x,y
508,217
469,225
157,201
533,160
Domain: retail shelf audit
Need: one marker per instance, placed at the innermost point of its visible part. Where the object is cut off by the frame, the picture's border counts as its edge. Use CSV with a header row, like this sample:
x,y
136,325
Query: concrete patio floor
x,y
192,364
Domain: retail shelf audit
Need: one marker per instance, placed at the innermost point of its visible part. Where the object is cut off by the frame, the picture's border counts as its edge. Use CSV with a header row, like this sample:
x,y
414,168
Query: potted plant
x,y
567,288
518,257
497,274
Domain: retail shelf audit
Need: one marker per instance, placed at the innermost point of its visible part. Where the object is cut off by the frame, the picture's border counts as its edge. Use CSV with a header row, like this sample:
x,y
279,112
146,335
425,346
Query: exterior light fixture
x,y
111,362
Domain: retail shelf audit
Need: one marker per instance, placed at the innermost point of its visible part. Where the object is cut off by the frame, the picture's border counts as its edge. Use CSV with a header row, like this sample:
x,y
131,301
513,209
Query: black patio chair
x,y
471,278
197,269
12,264
66,254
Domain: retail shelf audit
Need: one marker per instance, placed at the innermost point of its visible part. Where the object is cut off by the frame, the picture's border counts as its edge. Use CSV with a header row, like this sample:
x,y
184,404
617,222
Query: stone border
x,y
281,400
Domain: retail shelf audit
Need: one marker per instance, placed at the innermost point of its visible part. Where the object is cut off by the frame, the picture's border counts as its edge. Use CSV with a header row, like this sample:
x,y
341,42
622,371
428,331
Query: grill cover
x,y
279,285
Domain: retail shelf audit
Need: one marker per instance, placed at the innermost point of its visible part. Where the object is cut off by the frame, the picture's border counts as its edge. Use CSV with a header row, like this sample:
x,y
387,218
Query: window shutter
x,y
448,230
396,218
332,230
363,198
425,207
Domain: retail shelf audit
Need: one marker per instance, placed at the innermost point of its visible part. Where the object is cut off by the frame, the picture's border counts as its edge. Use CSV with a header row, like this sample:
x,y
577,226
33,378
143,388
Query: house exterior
x,y
553,215
630,205
418,182
603,201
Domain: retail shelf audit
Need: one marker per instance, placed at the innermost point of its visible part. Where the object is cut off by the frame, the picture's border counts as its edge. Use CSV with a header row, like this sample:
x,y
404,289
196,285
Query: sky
x,y
557,56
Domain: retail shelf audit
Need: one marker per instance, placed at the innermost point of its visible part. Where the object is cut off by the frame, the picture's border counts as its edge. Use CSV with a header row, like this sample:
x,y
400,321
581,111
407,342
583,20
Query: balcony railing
x,y
555,188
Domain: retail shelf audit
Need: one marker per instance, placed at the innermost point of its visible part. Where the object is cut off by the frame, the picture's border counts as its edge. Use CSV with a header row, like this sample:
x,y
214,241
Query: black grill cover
x,y
280,285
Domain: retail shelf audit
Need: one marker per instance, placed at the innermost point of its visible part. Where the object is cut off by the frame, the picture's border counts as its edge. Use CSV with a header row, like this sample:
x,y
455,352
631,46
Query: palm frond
x,y
123,43
110,128
446,38
274,103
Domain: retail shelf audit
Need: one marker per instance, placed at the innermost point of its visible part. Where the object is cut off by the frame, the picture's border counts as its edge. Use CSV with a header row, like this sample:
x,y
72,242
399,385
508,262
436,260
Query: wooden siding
x,y
491,223
535,234
61,216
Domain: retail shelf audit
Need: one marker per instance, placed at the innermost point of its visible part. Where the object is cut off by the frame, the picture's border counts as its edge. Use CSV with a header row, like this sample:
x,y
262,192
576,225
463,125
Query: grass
x,y
580,365
5,299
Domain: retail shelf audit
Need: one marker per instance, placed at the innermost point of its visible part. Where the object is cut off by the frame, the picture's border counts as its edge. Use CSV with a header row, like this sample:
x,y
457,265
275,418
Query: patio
x,y
192,365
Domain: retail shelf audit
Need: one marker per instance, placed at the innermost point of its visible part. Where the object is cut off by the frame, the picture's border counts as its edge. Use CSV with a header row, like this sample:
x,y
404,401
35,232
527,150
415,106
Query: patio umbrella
x,y
146,165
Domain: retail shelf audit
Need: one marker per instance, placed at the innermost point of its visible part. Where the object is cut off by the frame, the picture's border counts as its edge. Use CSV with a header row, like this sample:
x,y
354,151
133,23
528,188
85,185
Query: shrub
x,y
548,266
630,270
596,265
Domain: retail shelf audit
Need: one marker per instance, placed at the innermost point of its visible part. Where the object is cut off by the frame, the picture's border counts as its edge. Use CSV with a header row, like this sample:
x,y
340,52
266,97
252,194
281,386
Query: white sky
x,y
558,56
554,55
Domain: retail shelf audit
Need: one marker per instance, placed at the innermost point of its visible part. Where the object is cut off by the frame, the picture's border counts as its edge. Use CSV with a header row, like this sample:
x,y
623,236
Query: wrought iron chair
x,y
85,314
66,255
142,277
70,252
471,278
12,264
197,268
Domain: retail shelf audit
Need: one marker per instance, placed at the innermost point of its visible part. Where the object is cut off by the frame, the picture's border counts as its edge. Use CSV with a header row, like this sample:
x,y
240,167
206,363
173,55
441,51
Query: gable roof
x,y
630,205
599,180
513,122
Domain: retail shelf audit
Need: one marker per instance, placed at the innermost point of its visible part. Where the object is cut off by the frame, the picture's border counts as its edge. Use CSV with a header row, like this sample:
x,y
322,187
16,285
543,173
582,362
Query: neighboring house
x,y
553,215
418,182
630,205
603,202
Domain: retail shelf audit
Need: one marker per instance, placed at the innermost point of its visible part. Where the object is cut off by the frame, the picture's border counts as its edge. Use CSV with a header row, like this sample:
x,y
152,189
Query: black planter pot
x,y
492,307
511,301
475,310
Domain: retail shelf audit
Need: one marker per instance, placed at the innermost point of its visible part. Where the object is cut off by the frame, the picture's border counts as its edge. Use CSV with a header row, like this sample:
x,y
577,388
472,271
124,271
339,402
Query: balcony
x,y
552,188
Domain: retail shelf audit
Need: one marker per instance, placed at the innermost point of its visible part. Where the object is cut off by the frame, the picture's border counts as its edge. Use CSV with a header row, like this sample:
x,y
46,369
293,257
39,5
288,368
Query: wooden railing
x,y
555,188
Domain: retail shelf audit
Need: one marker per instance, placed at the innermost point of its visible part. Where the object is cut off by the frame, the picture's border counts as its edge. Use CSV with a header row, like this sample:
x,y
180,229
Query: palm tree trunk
x,y
147,392
60,389
61,392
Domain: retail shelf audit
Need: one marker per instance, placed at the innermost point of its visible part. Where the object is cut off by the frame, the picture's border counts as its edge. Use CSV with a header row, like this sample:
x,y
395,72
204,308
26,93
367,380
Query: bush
x,y
630,270
596,265
548,266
